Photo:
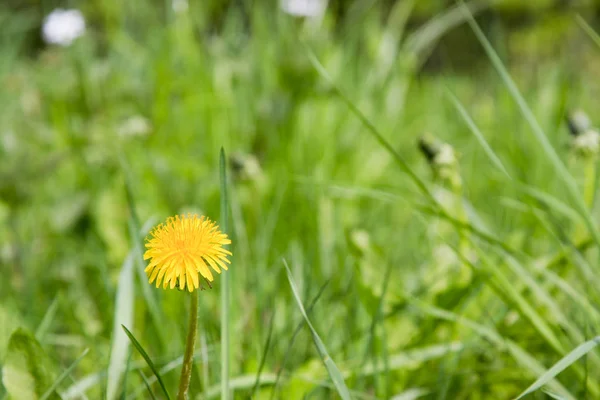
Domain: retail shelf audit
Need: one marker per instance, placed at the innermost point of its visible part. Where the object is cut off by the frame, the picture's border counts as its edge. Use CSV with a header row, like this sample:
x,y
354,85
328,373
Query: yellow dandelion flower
x,y
181,248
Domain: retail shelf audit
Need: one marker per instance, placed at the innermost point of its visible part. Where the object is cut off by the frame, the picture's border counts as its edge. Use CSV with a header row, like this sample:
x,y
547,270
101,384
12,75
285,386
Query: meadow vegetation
x,y
465,276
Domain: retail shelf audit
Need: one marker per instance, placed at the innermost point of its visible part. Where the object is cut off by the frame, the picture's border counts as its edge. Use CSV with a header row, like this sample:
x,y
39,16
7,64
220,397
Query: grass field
x,y
459,280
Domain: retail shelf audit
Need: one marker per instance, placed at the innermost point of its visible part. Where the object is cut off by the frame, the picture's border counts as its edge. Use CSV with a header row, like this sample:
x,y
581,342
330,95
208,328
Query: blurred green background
x,y
463,276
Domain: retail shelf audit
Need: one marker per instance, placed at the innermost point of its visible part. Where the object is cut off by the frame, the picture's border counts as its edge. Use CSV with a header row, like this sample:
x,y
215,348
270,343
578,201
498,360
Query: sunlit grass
x,y
398,283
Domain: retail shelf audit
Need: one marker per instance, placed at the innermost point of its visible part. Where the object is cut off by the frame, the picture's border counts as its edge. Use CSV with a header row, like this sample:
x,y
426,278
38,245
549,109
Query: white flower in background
x,y
62,27
303,8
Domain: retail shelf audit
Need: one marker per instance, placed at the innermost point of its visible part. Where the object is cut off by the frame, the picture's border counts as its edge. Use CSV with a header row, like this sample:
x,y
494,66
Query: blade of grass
x,y
77,390
293,339
166,368
542,296
409,359
204,373
47,320
423,39
369,125
332,369
561,365
241,383
507,290
588,29
552,203
264,355
124,309
378,320
149,362
521,356
478,135
575,295
393,35
134,232
126,375
554,395
62,376
538,133
147,384
225,313
461,225
536,193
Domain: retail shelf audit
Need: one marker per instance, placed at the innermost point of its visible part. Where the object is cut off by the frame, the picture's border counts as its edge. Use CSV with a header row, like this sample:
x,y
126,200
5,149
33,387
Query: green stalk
x,y
225,286
462,216
589,188
464,243
188,358
589,191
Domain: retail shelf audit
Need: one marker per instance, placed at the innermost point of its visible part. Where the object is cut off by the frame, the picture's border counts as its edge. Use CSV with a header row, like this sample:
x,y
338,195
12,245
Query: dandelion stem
x,y
186,370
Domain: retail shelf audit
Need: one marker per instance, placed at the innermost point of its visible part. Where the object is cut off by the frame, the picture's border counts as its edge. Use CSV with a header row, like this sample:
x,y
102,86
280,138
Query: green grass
x,y
395,282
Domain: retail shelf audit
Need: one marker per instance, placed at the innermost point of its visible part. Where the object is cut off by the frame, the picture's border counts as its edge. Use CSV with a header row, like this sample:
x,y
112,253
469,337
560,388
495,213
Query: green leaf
x,y
149,362
332,369
561,365
27,372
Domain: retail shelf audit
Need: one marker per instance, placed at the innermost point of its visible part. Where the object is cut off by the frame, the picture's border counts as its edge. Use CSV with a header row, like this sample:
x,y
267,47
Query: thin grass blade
x,y
554,396
332,369
134,231
147,384
560,168
369,125
293,339
423,39
149,362
62,376
47,320
588,29
126,375
225,313
263,359
521,356
552,203
561,365
124,309
478,135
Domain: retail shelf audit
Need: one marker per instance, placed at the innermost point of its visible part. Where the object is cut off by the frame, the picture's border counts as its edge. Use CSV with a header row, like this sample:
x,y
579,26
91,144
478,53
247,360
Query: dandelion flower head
x,y
182,248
